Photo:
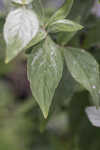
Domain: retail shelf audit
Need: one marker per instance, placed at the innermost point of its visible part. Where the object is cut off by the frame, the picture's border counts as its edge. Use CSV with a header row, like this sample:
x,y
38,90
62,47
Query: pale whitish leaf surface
x,y
62,12
64,25
85,70
41,35
93,115
22,1
21,26
44,73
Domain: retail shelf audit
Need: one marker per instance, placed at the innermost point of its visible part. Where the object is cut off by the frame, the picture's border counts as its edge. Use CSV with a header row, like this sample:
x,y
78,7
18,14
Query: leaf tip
x,y
6,61
45,114
81,27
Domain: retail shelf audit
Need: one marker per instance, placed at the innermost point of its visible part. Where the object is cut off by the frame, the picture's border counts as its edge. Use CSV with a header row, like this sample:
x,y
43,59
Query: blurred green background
x,y
22,126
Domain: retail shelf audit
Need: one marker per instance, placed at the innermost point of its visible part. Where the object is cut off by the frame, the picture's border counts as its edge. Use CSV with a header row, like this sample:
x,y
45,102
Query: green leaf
x,y
39,37
44,73
64,37
21,26
62,12
84,70
64,26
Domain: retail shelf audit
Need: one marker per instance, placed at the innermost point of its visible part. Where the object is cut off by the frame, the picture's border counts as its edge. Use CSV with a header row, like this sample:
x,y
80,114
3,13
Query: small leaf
x,y
64,37
39,37
21,26
84,70
44,73
64,26
62,12
22,2
93,115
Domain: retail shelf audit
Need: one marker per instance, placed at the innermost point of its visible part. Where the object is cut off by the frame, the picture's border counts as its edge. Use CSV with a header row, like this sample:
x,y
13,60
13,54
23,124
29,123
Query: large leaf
x,y
85,70
64,26
44,73
62,12
21,26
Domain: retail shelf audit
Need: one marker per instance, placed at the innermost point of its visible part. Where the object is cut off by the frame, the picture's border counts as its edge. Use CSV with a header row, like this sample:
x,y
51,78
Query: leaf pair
x,y
45,66
22,26
58,23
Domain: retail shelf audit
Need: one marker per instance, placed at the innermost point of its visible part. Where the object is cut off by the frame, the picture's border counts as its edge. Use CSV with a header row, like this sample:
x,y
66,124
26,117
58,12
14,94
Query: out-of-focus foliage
x,y
22,125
